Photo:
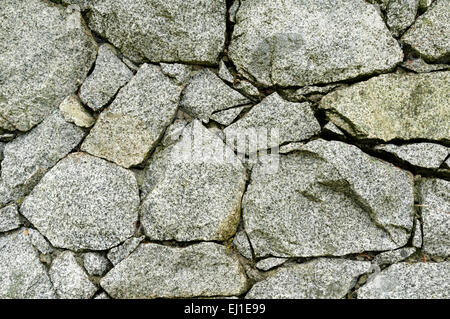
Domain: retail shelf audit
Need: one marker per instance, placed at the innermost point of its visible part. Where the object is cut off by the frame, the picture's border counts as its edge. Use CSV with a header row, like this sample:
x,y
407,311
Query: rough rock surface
x,y
328,199
428,37
435,200
292,121
9,218
206,93
269,263
242,244
95,263
163,31
84,202
318,279
21,273
30,156
39,242
119,253
45,53
196,193
394,256
109,75
69,279
427,155
297,43
74,112
400,14
410,281
156,271
393,106
128,130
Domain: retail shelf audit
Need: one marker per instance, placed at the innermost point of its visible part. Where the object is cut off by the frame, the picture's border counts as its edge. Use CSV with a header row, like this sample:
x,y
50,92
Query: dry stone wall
x,y
212,148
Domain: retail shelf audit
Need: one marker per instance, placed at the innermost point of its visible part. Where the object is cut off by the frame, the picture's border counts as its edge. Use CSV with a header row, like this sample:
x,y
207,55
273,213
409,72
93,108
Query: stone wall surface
x,y
211,148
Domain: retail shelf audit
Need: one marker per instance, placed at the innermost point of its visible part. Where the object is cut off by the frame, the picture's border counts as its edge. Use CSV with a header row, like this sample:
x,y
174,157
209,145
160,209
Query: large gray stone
x,y
69,279
30,156
428,37
45,54
329,198
163,30
9,218
194,189
95,264
84,202
206,93
129,129
22,275
292,121
435,204
393,106
400,14
156,271
298,43
428,155
409,281
109,75
318,279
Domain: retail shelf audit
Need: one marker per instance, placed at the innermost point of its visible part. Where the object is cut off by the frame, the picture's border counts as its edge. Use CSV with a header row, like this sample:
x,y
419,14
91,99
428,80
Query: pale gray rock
x,y
241,85
291,147
179,72
227,117
39,242
28,157
109,75
299,95
22,275
194,189
45,54
428,155
119,253
9,218
298,43
84,202
129,129
233,10
224,73
173,132
269,263
428,36
95,264
163,30
82,4
329,198
417,238
400,14
242,244
435,203
420,66
318,279
394,256
74,112
393,106
69,279
291,121
102,295
206,93
156,271
409,281
132,66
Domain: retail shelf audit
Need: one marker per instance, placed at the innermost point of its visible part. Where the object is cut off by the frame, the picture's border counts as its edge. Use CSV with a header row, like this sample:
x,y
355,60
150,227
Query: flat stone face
x,y
329,198
194,189
163,31
155,271
428,37
206,93
291,121
74,112
9,218
45,54
410,281
84,202
129,129
69,279
95,264
22,275
435,201
318,279
30,156
298,43
400,14
393,106
109,75
426,155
